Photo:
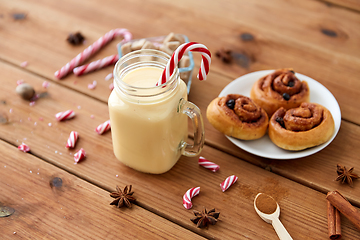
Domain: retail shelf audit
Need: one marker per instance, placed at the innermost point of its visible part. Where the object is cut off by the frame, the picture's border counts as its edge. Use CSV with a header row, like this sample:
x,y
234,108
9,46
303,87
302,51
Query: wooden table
x,y
55,199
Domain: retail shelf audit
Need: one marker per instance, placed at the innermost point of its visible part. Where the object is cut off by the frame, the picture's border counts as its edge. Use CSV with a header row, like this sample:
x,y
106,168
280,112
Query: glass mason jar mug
x,y
149,123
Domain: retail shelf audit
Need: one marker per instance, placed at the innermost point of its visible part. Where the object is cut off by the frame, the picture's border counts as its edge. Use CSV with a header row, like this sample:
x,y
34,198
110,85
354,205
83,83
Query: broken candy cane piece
x,y
23,147
207,164
79,155
74,136
104,127
192,192
228,182
61,116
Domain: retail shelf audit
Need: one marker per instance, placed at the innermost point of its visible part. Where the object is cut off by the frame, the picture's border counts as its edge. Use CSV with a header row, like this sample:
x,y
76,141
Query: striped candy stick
x,y
74,136
23,147
228,182
92,49
207,164
96,65
78,156
179,53
68,114
104,127
192,192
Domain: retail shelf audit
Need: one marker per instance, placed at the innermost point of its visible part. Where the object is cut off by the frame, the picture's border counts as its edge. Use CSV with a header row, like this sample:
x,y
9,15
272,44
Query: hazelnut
x,y
26,91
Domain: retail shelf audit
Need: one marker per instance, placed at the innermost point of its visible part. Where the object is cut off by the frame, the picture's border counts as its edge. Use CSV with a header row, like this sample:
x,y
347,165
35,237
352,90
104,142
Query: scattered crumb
x,y
108,77
92,85
11,110
49,124
32,103
111,86
92,116
24,64
18,82
79,107
45,84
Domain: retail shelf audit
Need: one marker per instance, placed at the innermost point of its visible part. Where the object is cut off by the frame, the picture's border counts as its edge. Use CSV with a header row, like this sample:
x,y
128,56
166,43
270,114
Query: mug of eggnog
x,y
149,124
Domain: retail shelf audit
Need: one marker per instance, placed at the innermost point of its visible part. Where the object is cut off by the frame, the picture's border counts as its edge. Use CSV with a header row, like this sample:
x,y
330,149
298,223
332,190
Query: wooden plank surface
x,y
313,37
318,171
50,203
321,41
164,199
350,4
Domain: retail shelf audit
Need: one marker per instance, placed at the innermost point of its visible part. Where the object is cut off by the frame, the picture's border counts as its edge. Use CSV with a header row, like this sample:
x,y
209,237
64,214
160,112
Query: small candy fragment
x,y
111,86
192,192
79,155
92,85
109,76
18,82
23,147
228,182
61,116
24,64
45,84
207,164
104,127
74,136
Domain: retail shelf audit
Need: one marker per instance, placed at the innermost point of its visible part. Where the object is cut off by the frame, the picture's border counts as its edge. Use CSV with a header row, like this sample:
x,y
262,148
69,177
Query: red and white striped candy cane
x,y
207,164
192,192
228,182
89,51
104,127
179,53
79,155
74,136
96,65
23,147
61,116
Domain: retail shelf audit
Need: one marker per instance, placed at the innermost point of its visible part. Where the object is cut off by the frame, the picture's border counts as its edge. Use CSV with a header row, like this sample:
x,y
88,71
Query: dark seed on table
x,y
247,37
286,96
230,104
56,182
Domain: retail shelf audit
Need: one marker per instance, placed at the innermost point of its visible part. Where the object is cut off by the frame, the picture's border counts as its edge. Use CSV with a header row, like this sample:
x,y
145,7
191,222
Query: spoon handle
x,y
280,230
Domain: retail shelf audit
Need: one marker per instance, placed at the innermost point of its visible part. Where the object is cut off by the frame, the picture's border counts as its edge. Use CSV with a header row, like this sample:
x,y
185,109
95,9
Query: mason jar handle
x,y
193,112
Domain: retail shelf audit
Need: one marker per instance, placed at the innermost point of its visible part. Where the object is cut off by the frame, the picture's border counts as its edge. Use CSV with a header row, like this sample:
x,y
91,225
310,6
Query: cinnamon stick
x,y
343,205
334,222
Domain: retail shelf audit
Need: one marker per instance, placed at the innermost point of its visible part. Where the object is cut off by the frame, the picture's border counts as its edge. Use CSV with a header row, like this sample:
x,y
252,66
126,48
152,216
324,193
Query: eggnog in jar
x,y
149,123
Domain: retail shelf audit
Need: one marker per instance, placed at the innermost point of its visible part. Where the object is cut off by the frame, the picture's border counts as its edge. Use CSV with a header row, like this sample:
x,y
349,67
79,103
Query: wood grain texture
x,y
161,194
309,36
350,4
50,203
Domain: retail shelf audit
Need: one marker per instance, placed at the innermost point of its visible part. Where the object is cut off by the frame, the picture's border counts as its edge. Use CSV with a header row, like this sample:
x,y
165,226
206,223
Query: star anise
x,y
123,197
204,218
224,54
346,175
75,38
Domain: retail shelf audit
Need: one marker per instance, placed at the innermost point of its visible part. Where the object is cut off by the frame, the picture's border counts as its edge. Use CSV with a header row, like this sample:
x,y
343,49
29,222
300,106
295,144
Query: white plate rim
x,y
271,150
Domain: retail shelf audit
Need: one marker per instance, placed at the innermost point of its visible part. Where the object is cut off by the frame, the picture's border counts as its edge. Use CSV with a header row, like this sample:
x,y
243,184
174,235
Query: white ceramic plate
x,y
264,147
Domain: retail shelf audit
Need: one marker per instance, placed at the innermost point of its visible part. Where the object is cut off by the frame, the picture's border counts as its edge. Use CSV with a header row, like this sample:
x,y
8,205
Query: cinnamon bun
x,y
280,88
299,128
238,116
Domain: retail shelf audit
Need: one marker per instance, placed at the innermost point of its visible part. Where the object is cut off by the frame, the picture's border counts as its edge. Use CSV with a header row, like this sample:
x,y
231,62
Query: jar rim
x,y
134,60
